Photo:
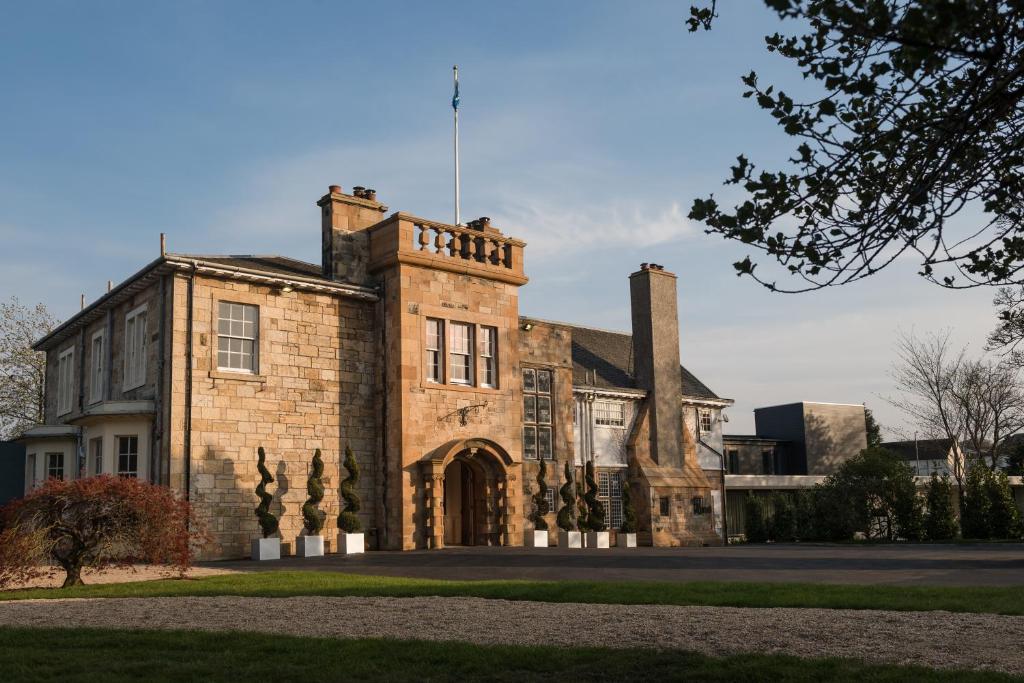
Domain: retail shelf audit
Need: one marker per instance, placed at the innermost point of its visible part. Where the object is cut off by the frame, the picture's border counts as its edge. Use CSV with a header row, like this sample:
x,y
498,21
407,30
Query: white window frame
x,y
135,345
97,367
460,359
50,468
254,339
30,465
65,380
610,413
488,337
434,355
122,472
704,415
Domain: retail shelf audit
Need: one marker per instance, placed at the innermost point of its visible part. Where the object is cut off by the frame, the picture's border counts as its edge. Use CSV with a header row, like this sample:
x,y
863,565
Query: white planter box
x,y
538,538
350,544
625,540
570,539
598,539
266,549
309,546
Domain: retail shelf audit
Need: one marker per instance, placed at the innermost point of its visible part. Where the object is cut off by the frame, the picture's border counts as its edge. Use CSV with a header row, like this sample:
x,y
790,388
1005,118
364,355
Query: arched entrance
x,y
470,483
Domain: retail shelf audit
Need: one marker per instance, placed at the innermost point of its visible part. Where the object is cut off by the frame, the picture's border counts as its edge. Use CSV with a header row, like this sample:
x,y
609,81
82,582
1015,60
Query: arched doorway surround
x,y
472,491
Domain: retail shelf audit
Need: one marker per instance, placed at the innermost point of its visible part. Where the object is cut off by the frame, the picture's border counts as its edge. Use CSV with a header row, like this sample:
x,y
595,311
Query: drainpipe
x,y
188,382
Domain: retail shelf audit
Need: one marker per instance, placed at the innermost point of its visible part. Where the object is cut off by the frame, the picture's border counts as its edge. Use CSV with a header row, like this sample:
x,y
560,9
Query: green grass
x,y
100,655
988,600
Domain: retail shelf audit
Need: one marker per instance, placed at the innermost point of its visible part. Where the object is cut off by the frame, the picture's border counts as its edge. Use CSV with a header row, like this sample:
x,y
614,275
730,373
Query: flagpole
x,y
455,106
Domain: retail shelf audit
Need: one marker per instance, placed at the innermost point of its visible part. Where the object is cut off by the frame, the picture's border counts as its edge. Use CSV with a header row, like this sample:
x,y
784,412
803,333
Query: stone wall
x,y
315,388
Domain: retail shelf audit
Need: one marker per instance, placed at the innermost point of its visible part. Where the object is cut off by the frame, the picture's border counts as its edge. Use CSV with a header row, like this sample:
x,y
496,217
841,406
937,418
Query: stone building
x,y
405,344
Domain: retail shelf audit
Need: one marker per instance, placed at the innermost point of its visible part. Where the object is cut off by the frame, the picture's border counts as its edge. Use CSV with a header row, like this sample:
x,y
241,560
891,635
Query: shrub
x,y
566,519
753,517
348,520
1004,516
940,517
540,499
628,525
976,507
268,522
782,526
806,513
595,508
96,522
311,515
582,512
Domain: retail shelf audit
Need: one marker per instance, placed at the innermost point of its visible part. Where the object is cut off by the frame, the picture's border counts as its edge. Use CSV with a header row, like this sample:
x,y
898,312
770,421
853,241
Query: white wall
x,y
109,430
35,459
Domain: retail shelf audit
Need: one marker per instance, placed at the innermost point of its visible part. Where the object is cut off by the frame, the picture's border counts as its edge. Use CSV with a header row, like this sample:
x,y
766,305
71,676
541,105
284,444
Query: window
x,y
767,466
705,421
435,342
96,453
65,380
128,456
237,334
610,493
135,349
30,465
489,357
610,413
97,365
537,414
55,465
664,504
734,461
549,496
701,506
461,353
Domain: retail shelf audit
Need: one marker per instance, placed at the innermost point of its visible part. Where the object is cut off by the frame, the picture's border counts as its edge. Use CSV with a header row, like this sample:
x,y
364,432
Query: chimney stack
x,y
343,219
652,291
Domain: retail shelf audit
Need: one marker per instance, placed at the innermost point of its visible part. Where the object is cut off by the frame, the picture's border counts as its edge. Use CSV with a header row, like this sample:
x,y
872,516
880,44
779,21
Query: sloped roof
x,y
275,265
604,359
922,449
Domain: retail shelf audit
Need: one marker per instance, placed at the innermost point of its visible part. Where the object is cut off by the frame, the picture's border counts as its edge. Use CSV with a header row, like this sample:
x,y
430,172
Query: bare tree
x,y
976,404
22,370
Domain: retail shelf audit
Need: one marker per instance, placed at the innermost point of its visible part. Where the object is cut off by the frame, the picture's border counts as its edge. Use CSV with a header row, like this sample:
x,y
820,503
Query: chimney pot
x,y
644,266
371,194
358,191
334,189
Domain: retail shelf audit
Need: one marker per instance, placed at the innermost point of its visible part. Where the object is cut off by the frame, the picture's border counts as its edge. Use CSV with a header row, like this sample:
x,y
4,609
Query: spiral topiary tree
x,y
540,500
268,522
628,525
311,516
595,508
567,515
348,520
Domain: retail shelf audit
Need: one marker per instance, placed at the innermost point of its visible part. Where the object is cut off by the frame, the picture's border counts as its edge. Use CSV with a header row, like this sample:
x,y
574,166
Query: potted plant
x,y
597,534
569,535
538,538
311,543
626,537
265,548
350,529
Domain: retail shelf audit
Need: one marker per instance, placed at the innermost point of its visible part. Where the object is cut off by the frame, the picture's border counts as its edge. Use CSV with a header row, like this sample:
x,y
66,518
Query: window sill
x,y
459,387
238,376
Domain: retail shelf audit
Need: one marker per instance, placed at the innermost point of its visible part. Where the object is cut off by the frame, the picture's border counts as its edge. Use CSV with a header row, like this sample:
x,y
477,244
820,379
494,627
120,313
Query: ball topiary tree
x,y
311,516
348,520
595,508
268,522
540,500
628,525
567,515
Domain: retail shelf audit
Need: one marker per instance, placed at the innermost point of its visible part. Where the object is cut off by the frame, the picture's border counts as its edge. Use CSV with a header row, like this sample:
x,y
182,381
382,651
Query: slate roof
x,y
604,359
275,265
927,449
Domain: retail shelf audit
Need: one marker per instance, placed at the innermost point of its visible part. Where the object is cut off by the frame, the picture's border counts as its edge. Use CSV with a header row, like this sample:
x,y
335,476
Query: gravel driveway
x,y
935,639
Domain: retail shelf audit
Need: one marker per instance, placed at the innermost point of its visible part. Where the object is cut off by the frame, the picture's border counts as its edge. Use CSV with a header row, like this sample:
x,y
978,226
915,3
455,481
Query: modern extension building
x,y
405,343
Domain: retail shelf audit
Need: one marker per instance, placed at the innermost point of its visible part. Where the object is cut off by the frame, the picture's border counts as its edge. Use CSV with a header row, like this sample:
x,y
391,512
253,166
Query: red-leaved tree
x,y
97,522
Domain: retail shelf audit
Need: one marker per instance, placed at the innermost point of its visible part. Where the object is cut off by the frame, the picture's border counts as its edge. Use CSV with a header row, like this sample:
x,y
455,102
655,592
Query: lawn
x,y
98,655
993,600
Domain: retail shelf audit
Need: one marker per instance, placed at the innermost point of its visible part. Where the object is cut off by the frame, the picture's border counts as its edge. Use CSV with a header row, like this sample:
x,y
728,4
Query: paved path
x,y
935,639
960,565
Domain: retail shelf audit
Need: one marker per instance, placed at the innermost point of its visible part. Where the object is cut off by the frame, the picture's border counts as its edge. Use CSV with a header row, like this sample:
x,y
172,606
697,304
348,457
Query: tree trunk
x,y
73,573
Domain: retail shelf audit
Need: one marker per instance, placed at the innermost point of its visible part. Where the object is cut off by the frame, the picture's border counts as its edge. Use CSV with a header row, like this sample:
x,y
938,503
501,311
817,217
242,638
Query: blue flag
x,y
455,97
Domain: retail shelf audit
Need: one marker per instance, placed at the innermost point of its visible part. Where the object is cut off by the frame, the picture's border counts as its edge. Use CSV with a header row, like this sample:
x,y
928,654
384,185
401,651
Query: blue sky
x,y
587,130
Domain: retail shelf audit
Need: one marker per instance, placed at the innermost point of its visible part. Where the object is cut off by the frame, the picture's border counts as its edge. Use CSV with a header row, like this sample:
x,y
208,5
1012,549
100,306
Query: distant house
x,y
927,456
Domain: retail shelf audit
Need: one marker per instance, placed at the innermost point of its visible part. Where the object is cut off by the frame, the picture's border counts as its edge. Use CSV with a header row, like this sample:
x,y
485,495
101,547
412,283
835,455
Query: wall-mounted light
x,y
526,327
285,289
